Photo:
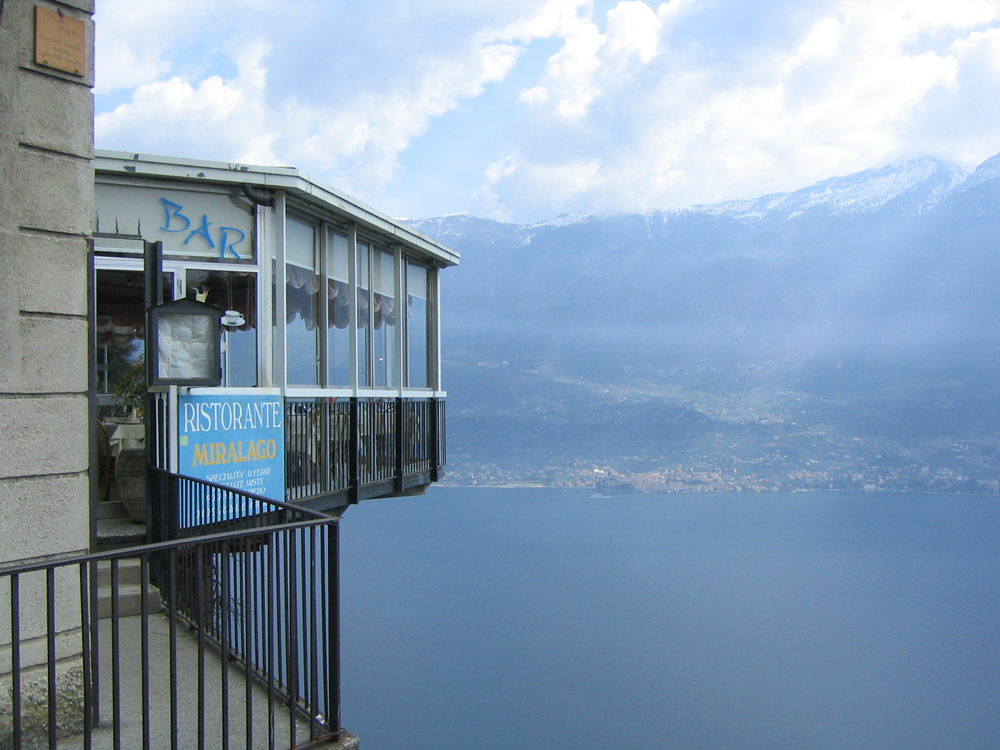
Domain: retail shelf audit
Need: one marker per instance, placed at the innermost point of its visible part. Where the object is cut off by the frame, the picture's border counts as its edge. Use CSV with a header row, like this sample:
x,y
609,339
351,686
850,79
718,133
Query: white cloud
x,y
354,136
672,8
534,95
642,107
822,42
578,73
134,38
839,98
633,27
213,119
556,18
571,71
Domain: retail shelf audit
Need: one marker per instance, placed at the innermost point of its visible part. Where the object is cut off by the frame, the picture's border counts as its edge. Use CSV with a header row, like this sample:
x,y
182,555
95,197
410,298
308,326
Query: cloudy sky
x,y
524,109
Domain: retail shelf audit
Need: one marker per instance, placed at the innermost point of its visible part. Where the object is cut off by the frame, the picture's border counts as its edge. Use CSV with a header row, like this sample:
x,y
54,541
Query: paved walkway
x,y
242,696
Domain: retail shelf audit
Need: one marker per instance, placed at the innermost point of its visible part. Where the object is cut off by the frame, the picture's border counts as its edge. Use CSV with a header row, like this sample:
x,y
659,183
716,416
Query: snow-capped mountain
x,y
876,291
917,185
910,245
909,187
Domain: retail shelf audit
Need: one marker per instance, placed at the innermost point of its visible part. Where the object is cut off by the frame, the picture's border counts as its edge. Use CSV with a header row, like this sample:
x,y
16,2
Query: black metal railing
x,y
417,436
244,654
376,439
337,445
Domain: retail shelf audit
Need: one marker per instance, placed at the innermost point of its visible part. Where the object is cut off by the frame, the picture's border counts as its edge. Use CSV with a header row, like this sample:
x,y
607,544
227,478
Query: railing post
x,y
435,443
333,623
326,446
400,450
173,508
355,457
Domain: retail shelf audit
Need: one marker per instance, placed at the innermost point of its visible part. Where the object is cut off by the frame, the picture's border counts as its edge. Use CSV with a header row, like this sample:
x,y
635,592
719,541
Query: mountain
x,y
872,295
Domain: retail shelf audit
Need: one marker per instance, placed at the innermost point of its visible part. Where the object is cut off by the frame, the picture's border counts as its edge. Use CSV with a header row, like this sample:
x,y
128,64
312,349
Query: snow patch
x,y
565,220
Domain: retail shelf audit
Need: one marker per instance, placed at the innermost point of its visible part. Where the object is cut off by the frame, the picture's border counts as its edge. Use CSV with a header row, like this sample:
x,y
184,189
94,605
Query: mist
x,y
873,305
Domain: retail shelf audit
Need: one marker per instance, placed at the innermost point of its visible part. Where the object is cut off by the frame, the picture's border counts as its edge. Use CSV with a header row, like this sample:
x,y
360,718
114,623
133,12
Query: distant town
x,y
717,479
763,452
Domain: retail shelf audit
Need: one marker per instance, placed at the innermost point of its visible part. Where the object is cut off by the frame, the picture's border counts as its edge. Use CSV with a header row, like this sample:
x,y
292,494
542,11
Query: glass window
x,y
417,326
384,318
302,308
235,293
121,330
364,343
338,338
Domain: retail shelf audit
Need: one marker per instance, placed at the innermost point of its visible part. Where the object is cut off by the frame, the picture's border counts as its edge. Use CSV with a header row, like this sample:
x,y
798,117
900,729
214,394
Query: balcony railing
x,y
346,446
244,653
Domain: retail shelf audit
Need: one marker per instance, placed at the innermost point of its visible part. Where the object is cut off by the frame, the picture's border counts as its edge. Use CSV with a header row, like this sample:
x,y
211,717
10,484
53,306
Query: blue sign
x,y
236,441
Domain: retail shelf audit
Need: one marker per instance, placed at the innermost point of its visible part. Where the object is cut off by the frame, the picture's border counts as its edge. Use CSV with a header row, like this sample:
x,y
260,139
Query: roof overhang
x,y
292,181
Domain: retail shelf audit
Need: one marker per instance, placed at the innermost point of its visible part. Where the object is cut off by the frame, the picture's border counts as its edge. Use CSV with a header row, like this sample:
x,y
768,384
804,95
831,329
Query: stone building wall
x,y
46,210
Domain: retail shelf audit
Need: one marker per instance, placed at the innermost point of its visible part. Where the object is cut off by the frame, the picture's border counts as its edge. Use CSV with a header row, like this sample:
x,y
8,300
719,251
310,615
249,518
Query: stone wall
x,y
46,210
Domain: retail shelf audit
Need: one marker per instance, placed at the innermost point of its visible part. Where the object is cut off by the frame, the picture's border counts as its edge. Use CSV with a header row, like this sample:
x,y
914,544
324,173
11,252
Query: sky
x,y
523,110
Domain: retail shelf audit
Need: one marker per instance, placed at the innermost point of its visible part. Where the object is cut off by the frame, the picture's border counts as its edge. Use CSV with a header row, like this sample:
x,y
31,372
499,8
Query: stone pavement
x,y
241,697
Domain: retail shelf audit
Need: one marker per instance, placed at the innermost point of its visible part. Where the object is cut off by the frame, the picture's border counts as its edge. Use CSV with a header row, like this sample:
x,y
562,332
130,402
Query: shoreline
x,y
710,492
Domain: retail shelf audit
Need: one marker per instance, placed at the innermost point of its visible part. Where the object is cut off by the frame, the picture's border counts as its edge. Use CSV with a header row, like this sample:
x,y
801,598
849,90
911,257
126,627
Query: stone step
x,y
129,572
129,601
129,590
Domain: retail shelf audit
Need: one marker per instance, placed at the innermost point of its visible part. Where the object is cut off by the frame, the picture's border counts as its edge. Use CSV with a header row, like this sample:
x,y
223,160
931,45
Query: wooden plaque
x,y
60,42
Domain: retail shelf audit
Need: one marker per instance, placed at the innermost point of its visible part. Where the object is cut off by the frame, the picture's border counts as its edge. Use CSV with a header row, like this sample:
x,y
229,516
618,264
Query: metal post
x,y
333,622
92,391
152,266
354,458
434,440
400,454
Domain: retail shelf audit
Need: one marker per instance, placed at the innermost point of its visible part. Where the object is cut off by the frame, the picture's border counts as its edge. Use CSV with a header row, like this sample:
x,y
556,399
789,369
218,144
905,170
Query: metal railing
x,y
245,652
417,436
336,445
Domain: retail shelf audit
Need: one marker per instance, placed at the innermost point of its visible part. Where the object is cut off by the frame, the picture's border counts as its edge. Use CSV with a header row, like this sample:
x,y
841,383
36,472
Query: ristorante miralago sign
x,y
236,441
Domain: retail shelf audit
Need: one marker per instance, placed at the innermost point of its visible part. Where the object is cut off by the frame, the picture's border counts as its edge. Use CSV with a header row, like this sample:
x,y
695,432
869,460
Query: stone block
x,y
44,435
33,615
86,6
56,116
10,339
53,356
51,273
44,516
56,193
34,648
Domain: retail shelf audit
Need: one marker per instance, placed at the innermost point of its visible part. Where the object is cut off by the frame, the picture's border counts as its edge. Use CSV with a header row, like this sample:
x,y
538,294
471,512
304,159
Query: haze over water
x,y
549,618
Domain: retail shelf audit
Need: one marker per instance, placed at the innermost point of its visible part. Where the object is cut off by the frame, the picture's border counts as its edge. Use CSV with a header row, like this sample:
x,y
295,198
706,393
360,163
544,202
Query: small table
x,y
125,435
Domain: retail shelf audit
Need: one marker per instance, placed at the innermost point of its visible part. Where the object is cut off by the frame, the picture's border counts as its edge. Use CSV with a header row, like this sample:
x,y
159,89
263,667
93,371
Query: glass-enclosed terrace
x,y
327,307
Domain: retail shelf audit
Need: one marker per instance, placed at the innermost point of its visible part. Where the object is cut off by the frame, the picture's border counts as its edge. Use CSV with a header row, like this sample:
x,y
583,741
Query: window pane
x,y
384,326
338,339
302,307
235,293
417,326
364,375
120,333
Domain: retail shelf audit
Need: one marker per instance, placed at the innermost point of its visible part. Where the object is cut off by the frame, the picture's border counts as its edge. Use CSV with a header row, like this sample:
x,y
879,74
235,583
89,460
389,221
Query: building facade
x,y
330,313
327,392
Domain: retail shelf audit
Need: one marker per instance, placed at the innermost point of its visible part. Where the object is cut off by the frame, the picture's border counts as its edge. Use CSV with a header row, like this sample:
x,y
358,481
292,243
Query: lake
x,y
549,618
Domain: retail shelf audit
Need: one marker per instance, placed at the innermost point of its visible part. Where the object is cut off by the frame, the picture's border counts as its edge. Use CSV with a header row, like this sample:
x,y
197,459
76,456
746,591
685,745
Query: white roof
x,y
289,179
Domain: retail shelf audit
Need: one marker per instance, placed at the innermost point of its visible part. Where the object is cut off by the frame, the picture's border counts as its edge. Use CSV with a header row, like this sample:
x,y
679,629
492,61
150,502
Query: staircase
x,y
129,590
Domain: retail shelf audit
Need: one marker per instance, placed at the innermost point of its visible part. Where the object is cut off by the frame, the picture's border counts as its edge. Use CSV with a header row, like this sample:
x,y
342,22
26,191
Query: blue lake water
x,y
549,619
